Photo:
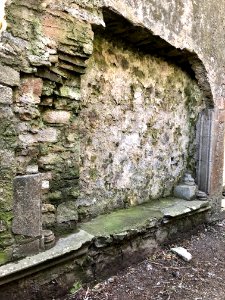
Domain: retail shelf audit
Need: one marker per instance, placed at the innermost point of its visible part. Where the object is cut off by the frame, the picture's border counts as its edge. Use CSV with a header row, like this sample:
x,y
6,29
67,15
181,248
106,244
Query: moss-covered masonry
x,y
42,56
137,126
135,120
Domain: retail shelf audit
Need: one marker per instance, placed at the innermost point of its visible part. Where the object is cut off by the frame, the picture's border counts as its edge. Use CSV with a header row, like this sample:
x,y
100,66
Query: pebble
x,y
182,252
149,267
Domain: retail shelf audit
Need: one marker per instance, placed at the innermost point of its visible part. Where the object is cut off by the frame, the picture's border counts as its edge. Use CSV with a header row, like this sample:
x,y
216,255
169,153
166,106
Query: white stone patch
x,y
45,185
223,204
32,169
28,138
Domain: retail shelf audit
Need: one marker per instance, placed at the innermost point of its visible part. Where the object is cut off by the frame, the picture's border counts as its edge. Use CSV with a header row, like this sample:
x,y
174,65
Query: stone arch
x,y
145,40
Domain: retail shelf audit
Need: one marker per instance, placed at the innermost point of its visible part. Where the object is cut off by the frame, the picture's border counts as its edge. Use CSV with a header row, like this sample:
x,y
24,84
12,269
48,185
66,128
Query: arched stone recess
x,y
43,137
121,120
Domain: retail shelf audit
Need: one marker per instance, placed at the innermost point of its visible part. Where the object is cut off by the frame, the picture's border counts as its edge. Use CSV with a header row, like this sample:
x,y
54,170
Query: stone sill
x,y
101,231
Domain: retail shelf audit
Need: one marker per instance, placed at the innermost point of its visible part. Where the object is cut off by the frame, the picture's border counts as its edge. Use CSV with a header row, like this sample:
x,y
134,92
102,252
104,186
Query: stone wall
x,y
43,54
143,109
137,126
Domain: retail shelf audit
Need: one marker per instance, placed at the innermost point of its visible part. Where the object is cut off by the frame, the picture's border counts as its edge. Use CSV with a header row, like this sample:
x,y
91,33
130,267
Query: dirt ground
x,y
165,276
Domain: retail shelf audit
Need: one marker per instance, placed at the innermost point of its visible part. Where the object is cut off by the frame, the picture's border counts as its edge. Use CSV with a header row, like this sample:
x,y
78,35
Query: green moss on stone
x,y
6,239
55,196
123,220
93,173
6,217
4,257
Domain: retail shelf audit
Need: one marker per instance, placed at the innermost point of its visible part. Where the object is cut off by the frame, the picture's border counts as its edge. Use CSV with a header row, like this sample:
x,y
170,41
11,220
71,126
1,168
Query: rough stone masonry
x,y
101,101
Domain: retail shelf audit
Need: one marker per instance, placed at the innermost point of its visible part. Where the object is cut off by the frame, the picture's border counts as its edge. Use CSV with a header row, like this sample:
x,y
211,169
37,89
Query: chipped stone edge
x,y
64,246
188,208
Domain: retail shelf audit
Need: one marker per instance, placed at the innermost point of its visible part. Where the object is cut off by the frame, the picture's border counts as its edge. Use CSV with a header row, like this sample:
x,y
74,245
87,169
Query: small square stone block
x,y
187,192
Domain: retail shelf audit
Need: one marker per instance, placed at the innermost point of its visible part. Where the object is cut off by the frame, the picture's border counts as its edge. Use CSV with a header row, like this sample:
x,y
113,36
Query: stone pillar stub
x,y
27,205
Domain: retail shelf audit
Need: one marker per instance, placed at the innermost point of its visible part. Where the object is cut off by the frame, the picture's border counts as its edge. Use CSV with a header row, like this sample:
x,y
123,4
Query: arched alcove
x,y
126,68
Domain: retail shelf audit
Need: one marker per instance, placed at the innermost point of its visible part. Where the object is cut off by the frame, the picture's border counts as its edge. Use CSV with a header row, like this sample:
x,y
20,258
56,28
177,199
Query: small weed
x,y
76,287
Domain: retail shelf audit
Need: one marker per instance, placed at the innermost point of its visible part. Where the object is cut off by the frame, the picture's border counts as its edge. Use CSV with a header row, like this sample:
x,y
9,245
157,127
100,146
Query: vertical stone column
x,y
210,133
204,138
216,181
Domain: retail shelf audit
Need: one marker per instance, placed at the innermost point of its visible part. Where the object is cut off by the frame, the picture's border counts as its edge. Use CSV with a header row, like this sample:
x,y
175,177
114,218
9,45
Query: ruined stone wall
x,y
42,56
137,126
48,115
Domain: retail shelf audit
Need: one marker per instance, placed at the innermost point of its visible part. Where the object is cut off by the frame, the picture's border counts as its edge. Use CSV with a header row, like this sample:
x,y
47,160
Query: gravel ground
x,y
165,276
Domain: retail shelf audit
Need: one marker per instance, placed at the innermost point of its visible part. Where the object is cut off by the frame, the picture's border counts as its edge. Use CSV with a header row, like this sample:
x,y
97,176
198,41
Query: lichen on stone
x,y
139,119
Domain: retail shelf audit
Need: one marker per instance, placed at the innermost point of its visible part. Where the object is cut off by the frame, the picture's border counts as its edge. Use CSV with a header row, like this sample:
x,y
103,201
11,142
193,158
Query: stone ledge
x,y
104,231
64,246
139,217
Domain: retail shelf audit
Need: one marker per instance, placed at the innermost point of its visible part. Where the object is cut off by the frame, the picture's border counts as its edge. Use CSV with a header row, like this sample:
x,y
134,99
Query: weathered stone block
x,y
67,212
9,76
187,192
53,59
70,92
5,95
27,205
48,208
30,248
57,117
28,138
48,219
32,169
47,135
50,159
27,113
30,90
204,138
